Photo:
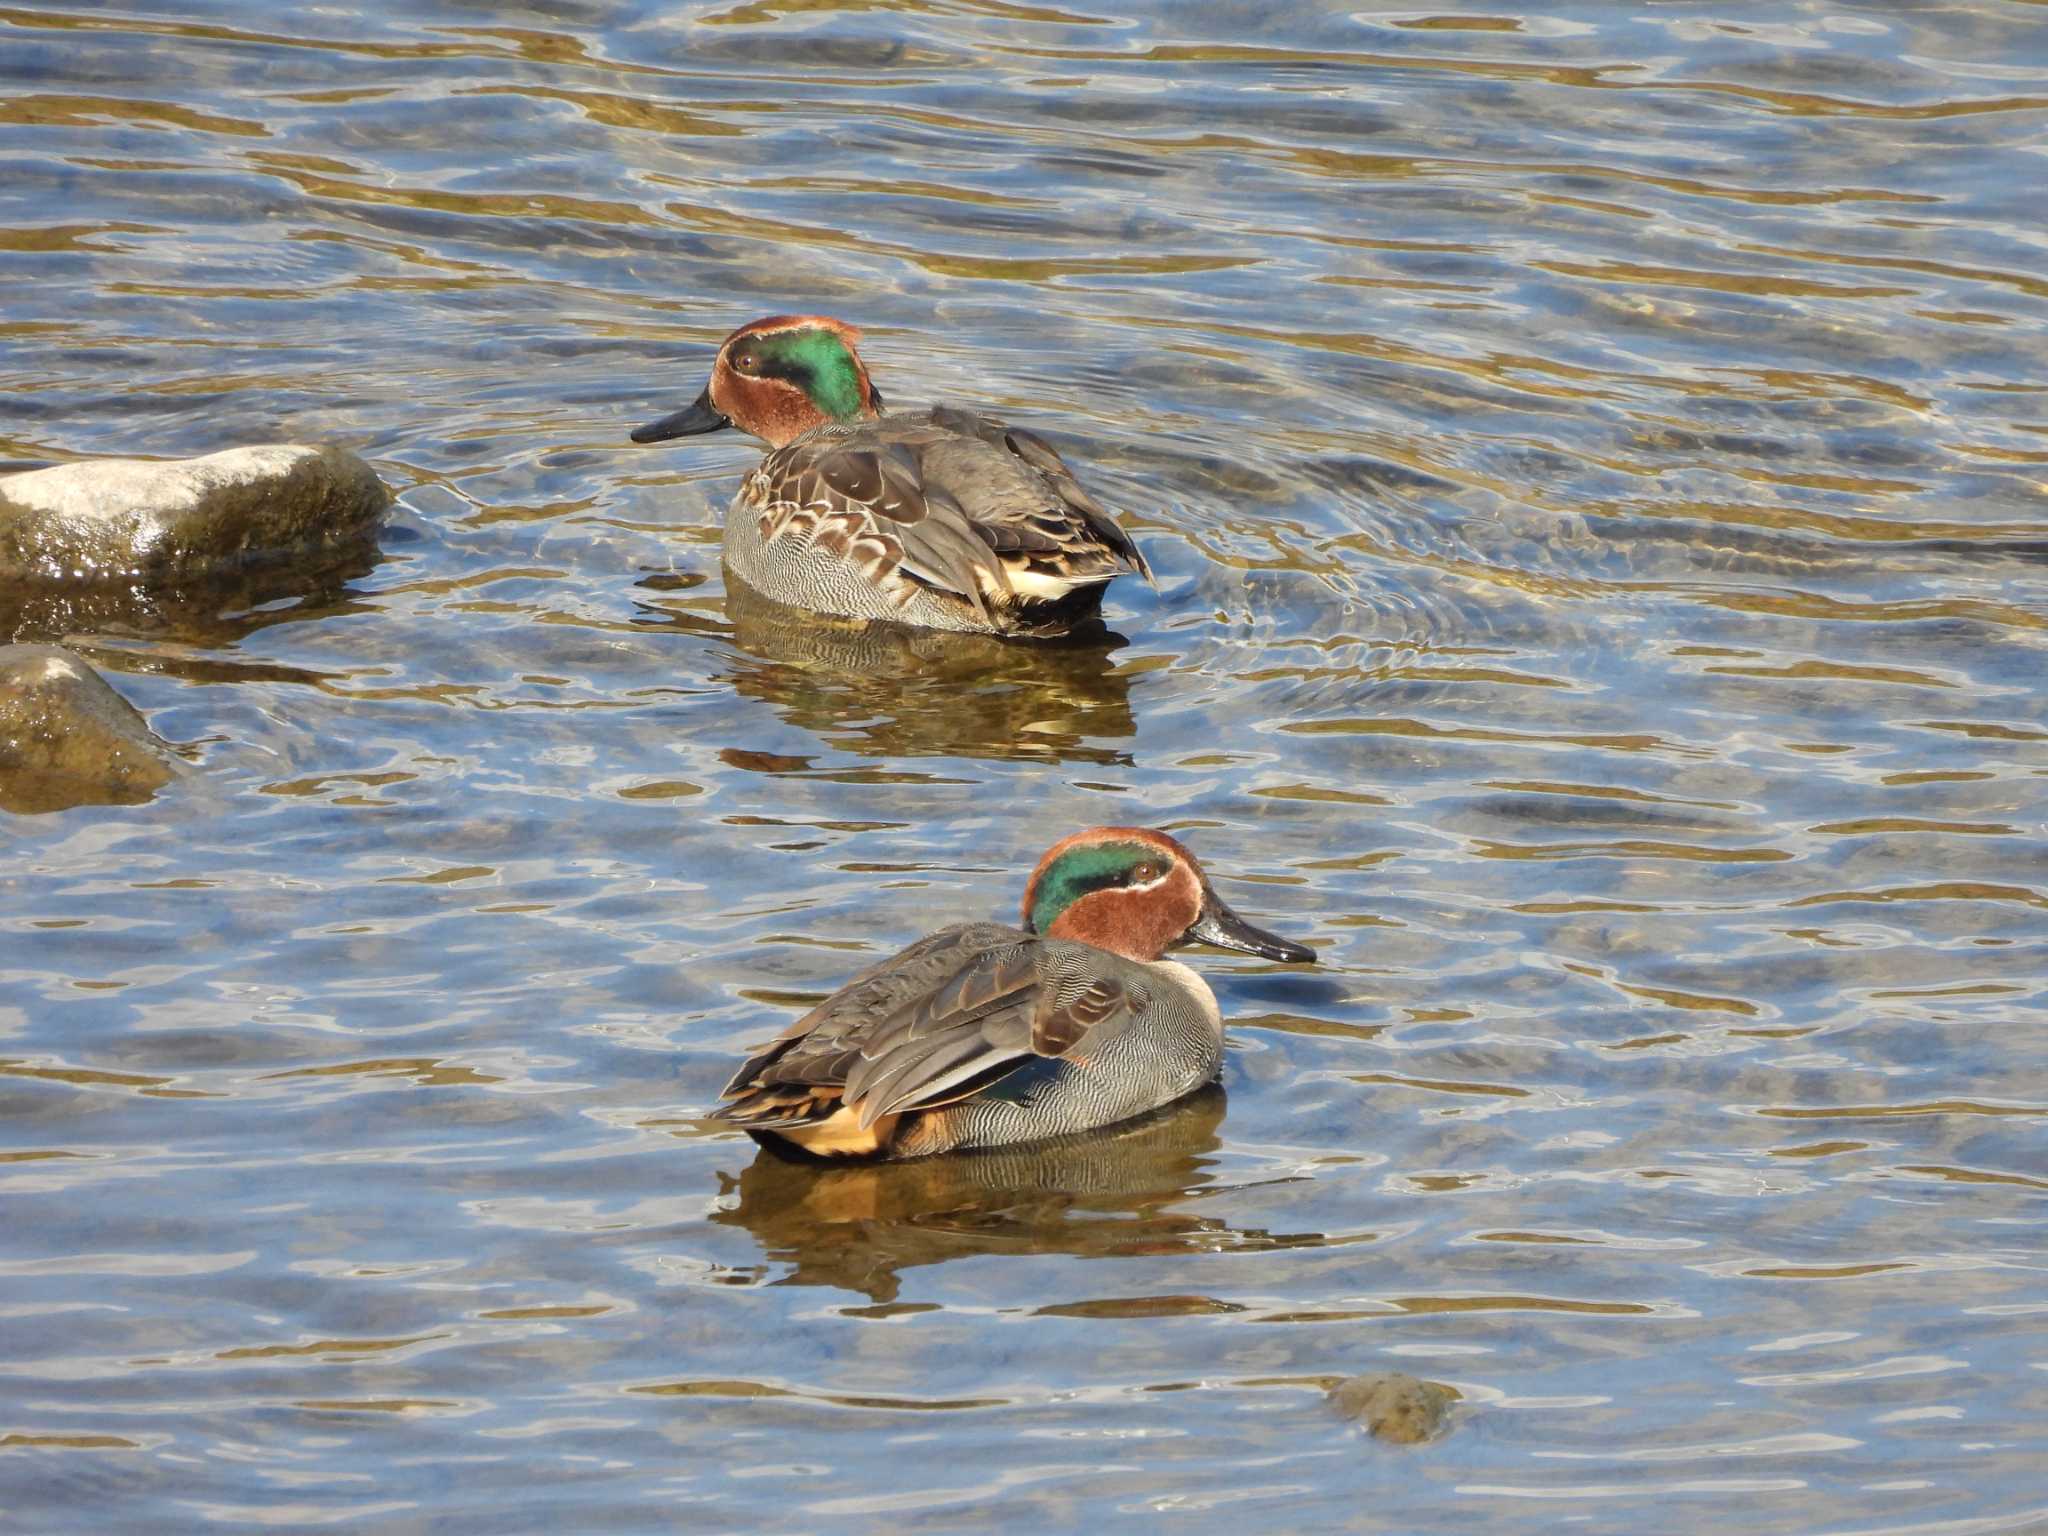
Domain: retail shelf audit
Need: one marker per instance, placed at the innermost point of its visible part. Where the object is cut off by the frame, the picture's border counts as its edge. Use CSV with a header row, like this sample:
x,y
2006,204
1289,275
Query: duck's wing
x,y
860,494
1055,528
944,499
956,1011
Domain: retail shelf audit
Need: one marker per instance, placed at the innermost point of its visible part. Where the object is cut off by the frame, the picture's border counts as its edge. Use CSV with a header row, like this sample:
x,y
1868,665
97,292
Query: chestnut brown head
x,y
1137,892
777,378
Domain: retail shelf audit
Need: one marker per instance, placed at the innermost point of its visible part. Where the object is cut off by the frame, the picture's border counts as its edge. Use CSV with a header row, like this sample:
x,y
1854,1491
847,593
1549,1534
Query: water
x,y
1593,460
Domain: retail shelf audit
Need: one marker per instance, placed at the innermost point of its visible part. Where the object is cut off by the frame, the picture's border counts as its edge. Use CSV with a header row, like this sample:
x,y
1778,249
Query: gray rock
x,y
1395,1406
183,520
67,739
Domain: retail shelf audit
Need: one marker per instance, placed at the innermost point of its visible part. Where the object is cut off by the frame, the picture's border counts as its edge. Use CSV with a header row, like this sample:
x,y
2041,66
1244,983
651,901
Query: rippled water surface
x,y
1594,461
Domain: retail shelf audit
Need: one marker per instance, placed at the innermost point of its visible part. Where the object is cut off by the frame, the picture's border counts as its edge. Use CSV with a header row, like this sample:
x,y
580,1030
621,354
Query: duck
x,y
940,518
986,1035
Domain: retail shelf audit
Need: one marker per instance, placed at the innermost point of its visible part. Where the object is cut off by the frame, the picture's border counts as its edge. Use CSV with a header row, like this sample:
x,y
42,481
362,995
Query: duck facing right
x,y
984,1035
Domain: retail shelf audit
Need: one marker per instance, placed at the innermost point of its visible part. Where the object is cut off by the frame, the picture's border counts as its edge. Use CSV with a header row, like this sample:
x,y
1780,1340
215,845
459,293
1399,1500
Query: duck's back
x,y
981,1035
940,517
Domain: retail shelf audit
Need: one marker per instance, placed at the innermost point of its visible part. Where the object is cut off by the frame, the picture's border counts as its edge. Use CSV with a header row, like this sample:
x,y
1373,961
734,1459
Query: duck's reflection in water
x,y
857,1226
894,691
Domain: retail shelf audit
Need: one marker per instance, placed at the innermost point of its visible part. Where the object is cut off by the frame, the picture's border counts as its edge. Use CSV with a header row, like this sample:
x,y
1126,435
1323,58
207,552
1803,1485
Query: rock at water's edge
x,y
66,738
1394,1406
185,519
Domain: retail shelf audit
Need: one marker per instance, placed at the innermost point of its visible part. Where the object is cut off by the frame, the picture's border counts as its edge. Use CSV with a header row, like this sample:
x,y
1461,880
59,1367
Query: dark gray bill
x,y
693,420
1222,927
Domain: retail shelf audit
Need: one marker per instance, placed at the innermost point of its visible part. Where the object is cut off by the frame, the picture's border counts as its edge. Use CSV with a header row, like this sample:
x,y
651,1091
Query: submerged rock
x,y
66,738
1395,1406
183,520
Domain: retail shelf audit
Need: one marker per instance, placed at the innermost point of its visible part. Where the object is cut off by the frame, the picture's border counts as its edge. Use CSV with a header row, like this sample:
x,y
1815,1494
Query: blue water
x,y
1593,458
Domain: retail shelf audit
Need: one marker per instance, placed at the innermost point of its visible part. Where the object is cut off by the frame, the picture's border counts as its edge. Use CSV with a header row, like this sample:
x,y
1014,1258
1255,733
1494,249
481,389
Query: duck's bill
x,y
1222,927
693,420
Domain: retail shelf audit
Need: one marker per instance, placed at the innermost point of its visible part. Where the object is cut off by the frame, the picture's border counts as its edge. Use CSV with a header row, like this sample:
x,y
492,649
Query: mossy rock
x,y
68,739
176,521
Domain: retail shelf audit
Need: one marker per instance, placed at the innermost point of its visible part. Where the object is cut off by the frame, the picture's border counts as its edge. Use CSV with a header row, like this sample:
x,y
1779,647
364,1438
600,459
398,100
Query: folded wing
x,y
949,500
948,1017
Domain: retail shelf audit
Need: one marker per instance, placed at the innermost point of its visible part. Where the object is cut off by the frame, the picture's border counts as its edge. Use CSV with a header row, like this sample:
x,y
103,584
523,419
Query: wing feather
x,y
947,500
960,1008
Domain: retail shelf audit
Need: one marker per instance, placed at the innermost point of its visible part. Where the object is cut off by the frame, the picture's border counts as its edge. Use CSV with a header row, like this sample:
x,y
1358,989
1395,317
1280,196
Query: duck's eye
x,y
745,360
1147,872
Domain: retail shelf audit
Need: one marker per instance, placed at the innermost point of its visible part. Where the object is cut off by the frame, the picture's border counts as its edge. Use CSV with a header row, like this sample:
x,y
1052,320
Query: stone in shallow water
x,y
120,520
1395,1406
66,738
